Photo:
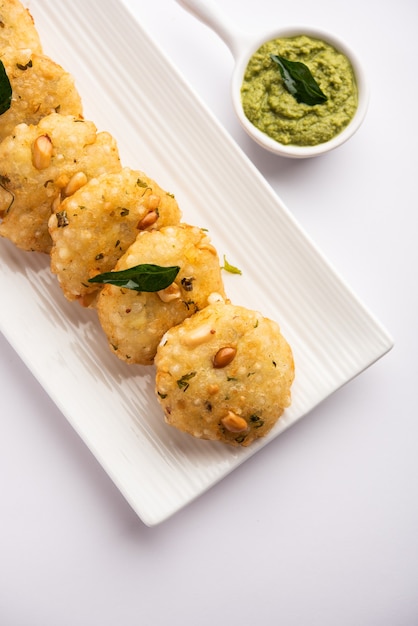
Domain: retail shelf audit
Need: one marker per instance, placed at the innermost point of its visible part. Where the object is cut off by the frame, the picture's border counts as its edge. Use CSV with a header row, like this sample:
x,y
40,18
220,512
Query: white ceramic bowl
x,y
243,45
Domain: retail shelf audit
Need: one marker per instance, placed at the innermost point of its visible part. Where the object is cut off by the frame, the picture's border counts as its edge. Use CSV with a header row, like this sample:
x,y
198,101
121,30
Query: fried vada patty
x,y
95,226
39,87
133,321
43,163
17,28
224,374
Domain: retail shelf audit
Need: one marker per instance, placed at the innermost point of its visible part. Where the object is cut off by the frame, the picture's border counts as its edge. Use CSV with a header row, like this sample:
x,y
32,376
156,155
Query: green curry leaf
x,y
230,268
5,90
144,277
299,81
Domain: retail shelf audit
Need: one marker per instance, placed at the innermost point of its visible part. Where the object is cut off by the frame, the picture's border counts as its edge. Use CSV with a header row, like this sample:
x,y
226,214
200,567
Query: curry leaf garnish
x,y
144,277
299,81
230,268
5,90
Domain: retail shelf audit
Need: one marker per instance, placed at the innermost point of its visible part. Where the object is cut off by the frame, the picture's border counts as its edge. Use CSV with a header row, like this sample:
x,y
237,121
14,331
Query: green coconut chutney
x,y
273,110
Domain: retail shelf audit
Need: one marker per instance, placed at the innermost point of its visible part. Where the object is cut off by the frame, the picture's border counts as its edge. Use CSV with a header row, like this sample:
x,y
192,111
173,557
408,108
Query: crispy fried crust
x,y
103,219
29,185
39,87
135,322
17,28
210,395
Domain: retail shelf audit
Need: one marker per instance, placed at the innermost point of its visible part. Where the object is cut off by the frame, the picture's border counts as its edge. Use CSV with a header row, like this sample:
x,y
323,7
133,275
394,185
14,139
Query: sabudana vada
x,y
224,374
42,163
39,87
133,321
93,228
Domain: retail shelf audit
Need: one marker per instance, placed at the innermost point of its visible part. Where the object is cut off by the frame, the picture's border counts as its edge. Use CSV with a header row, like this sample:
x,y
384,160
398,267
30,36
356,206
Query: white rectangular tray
x,y
132,90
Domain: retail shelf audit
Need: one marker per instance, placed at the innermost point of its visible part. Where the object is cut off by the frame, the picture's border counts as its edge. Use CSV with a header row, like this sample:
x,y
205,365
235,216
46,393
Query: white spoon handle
x,y
208,13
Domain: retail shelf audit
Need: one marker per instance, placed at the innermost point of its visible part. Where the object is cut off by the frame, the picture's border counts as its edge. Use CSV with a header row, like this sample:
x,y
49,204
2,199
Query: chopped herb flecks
x,y
183,382
187,283
256,421
62,219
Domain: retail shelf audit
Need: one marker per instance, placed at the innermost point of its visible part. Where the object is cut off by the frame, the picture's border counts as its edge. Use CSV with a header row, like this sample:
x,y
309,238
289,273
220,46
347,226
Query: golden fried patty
x,y
93,228
224,374
39,87
40,164
134,322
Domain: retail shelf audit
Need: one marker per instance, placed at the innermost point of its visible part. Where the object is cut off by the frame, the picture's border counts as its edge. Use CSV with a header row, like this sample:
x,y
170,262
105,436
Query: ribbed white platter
x,y
131,89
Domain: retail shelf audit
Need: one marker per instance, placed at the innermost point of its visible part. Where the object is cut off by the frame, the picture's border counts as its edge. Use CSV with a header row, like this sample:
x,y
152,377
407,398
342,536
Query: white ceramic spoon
x,y
243,45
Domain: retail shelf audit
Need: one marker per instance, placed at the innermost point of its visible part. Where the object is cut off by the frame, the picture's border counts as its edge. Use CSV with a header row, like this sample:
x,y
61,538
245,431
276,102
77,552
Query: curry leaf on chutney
x,y
299,82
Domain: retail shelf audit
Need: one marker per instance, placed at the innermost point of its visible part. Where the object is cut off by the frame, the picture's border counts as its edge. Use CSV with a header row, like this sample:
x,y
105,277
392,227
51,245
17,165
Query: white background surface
x,y
319,528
